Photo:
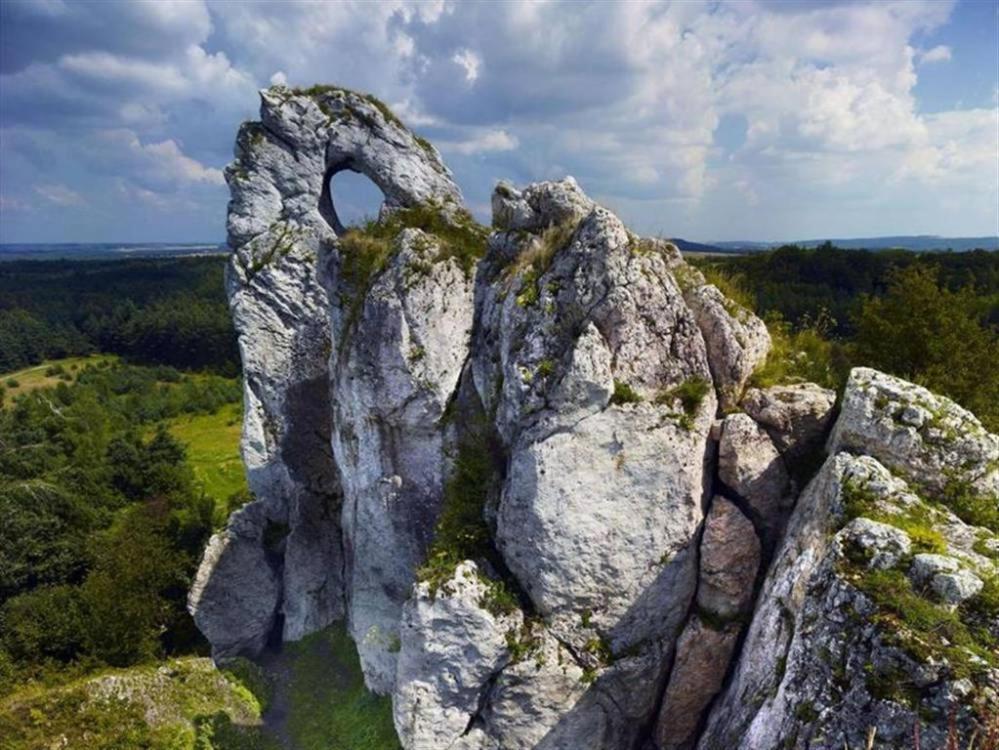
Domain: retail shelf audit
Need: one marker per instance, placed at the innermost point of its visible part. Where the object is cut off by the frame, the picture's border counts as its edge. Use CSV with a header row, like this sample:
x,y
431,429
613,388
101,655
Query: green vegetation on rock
x,y
365,251
624,394
462,532
183,704
690,393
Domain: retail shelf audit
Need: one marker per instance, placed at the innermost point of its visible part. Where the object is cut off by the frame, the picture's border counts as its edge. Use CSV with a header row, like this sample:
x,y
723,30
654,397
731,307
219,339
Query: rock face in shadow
x,y
523,467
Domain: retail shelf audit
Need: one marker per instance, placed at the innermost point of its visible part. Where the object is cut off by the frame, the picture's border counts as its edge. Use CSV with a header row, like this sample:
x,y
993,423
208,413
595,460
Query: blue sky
x,y
709,121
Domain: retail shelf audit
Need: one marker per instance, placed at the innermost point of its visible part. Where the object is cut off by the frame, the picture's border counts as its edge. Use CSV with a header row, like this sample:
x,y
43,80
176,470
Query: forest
x,y
154,311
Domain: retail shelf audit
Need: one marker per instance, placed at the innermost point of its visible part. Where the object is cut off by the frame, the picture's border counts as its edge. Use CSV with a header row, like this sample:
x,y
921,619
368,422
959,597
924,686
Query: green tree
x,y
47,623
127,594
924,332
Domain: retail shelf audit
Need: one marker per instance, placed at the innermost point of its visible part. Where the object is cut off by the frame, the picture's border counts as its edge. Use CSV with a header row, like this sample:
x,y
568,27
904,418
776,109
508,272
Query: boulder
x,y
916,433
730,559
703,654
738,342
540,205
946,577
796,417
235,594
450,647
751,467
879,545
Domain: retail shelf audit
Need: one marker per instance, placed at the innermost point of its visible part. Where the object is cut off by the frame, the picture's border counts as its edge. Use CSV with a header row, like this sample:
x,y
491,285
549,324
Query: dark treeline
x,y
932,318
799,282
151,310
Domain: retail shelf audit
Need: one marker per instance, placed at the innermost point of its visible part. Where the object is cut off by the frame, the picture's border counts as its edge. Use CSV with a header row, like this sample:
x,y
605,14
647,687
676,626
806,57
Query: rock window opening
x,y
349,198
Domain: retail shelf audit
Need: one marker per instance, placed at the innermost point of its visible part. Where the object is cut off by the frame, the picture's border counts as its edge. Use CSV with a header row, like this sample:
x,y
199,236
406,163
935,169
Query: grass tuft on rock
x,y
624,394
916,521
462,532
921,627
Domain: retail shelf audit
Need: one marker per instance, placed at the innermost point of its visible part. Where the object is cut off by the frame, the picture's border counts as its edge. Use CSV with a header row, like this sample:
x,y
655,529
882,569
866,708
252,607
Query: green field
x,y
43,375
212,442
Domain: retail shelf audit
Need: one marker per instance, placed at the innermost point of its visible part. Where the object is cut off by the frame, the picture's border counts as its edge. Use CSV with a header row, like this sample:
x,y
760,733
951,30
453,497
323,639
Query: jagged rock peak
x,y
284,162
528,476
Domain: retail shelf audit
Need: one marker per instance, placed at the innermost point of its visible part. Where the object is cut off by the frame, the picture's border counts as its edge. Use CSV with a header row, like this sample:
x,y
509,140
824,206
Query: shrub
x,y
924,332
802,354
624,394
47,623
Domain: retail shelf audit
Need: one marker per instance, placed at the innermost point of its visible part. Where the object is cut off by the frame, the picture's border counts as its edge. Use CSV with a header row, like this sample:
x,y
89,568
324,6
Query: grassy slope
x,y
182,704
33,378
212,442
320,702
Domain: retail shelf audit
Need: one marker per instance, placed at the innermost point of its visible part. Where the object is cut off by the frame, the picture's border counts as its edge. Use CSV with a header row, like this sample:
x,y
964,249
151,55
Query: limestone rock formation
x,y
796,417
281,219
521,466
916,433
841,641
750,466
730,560
737,341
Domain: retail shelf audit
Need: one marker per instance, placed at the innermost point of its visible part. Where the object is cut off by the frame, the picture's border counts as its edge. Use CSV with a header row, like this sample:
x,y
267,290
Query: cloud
x,y
487,141
60,195
469,62
940,53
161,164
635,99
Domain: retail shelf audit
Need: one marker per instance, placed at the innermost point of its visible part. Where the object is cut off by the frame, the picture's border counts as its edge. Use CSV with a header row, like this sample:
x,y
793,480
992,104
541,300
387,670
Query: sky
x,y
752,120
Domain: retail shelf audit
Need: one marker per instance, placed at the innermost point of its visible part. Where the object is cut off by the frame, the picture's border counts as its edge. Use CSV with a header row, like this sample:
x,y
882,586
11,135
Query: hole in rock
x,y
349,199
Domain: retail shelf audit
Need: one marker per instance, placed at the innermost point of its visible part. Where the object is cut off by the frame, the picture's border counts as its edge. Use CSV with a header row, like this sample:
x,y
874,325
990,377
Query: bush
x,y
924,332
805,354
47,623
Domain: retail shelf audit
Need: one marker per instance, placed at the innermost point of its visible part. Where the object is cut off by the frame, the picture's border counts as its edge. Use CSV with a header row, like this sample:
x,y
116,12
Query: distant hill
x,y
917,243
686,246
103,250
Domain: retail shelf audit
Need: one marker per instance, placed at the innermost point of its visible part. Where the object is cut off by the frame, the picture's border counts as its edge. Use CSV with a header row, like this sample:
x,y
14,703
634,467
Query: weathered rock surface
x,y
392,377
602,502
750,466
451,646
880,544
235,594
702,658
537,435
795,416
730,559
915,433
281,220
951,581
738,341
828,654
